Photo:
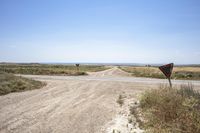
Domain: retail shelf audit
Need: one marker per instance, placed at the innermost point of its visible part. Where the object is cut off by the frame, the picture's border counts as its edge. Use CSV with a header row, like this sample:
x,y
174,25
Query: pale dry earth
x,y
73,104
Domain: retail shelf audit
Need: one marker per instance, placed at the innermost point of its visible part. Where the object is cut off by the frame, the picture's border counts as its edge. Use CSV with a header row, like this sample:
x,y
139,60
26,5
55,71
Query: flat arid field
x,y
99,66
49,69
179,72
77,104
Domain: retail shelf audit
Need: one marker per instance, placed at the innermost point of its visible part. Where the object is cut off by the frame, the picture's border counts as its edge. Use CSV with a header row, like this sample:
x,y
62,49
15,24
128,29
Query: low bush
x,y
10,83
170,110
120,100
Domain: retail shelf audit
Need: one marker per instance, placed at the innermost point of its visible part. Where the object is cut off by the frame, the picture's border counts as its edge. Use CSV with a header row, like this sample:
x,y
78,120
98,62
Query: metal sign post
x,y
77,66
167,71
170,83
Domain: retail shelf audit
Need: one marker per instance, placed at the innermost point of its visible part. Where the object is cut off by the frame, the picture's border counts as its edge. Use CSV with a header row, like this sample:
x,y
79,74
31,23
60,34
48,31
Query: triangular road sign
x,y
167,69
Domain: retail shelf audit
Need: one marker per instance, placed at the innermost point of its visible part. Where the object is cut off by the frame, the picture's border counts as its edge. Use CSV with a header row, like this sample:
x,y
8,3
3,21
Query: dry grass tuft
x,y
10,83
120,100
168,110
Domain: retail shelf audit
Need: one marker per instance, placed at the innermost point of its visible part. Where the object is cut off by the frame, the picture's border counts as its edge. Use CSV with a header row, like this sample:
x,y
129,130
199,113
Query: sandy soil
x,y
83,104
114,72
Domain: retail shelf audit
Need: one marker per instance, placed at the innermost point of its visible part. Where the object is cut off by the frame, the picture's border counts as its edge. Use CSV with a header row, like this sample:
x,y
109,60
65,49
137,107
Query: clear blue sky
x,y
125,31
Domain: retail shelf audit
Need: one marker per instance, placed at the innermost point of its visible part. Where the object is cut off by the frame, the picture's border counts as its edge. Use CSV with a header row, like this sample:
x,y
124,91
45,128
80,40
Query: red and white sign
x,y
167,69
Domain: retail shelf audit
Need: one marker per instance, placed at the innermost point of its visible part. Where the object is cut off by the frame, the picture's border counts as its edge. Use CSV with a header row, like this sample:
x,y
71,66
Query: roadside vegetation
x,y
186,73
171,110
44,69
10,83
120,100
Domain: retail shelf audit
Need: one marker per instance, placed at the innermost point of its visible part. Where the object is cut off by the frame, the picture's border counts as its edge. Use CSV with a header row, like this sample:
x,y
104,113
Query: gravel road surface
x,y
72,104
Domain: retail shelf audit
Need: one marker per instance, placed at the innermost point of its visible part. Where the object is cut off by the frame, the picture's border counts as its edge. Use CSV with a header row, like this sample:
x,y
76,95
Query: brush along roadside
x,y
10,83
169,110
46,69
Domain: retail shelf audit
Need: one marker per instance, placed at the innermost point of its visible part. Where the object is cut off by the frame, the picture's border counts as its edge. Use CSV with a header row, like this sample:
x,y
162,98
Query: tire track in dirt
x,y
68,104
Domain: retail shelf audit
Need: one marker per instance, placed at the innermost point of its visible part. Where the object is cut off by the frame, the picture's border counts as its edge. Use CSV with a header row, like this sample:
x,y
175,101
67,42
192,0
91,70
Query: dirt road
x,y
68,104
